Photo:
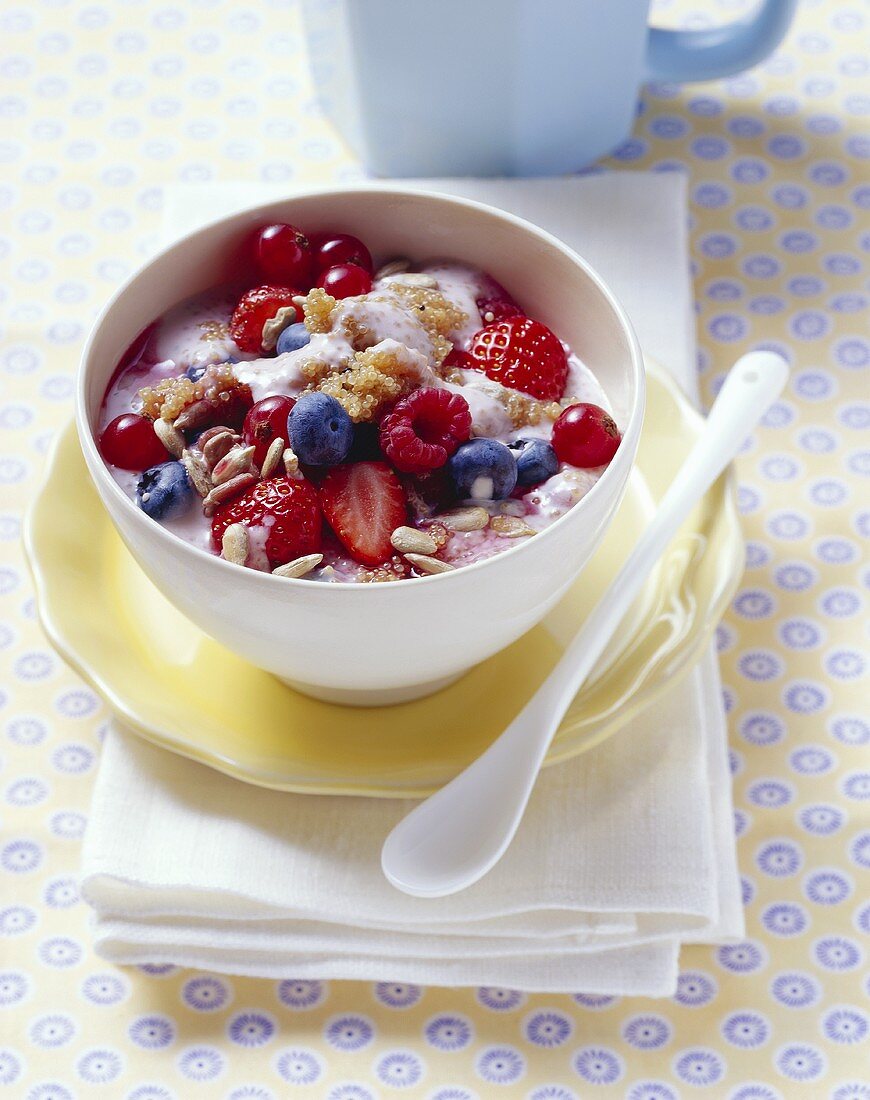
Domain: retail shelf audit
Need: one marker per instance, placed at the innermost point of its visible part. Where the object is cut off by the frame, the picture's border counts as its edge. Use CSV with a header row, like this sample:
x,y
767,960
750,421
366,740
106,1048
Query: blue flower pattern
x,y
98,98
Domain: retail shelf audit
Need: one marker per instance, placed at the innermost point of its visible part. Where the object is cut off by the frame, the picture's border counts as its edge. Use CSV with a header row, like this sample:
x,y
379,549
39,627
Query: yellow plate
x,y
179,689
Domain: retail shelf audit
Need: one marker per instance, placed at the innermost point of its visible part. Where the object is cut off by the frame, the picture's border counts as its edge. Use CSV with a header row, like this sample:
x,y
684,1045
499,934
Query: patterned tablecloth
x,y
101,104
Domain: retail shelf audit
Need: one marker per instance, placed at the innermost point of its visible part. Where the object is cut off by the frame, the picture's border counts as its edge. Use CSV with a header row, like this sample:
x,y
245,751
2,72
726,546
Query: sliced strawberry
x,y
364,503
523,355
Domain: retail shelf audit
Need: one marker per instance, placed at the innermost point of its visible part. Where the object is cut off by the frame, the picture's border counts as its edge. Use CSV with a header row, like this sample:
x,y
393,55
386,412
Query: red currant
x,y
330,249
283,254
345,280
266,421
585,435
130,443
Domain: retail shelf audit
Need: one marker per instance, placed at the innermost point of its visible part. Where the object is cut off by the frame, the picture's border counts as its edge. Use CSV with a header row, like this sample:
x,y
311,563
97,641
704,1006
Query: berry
x,y
266,421
292,338
424,429
283,254
585,435
345,280
340,248
429,493
231,407
483,469
524,355
500,305
460,359
321,432
255,308
536,460
129,443
197,370
364,503
287,509
164,491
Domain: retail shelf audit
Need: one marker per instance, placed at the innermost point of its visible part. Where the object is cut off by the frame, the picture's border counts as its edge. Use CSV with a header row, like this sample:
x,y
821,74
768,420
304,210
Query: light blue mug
x,y
506,87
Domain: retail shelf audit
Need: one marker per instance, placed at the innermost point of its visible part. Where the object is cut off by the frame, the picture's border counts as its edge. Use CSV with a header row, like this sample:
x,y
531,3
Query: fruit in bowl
x,y
350,424
304,607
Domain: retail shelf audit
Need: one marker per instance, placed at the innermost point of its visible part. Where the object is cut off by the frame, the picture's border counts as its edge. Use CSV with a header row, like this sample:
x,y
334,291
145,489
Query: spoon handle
x,y
454,837
750,387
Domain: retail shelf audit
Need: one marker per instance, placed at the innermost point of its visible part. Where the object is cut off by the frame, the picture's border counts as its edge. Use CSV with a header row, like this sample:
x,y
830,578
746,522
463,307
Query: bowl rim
x,y
174,543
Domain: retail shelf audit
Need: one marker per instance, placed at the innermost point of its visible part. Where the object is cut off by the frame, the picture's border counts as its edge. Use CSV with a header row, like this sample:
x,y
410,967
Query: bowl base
x,y
376,697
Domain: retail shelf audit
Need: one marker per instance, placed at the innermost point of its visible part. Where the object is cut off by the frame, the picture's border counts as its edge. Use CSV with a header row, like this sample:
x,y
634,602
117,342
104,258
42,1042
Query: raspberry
x,y
255,308
288,510
523,355
424,429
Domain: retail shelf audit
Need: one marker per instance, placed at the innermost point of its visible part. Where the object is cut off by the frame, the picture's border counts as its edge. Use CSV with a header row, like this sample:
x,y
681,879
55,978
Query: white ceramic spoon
x,y
458,834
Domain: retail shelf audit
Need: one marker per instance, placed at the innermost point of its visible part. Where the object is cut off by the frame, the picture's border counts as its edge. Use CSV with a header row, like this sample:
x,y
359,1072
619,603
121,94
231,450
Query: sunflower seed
x,y
408,540
170,437
194,415
429,565
216,447
237,461
464,519
291,462
273,328
273,457
394,267
229,489
234,544
197,471
511,527
210,433
299,566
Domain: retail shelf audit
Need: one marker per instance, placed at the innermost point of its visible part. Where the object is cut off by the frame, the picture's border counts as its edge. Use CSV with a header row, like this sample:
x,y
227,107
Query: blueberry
x,y
292,338
196,372
320,431
164,491
483,469
536,461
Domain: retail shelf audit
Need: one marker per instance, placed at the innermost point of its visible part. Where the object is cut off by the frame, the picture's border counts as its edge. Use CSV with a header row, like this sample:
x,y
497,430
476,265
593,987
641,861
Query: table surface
x,y
102,103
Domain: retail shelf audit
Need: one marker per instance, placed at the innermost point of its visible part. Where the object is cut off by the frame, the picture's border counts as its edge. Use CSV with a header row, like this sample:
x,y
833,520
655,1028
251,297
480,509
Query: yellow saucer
x,y
179,689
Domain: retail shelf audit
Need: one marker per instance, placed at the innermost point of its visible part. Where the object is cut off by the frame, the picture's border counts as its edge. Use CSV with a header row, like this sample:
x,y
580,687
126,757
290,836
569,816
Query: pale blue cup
x,y
507,87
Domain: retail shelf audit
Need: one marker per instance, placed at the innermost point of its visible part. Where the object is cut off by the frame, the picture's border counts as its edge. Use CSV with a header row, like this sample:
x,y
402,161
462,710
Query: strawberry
x,y
523,355
364,503
255,308
287,510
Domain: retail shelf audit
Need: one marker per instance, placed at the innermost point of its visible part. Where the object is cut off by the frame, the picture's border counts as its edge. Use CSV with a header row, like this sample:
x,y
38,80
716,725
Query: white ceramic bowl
x,y
377,643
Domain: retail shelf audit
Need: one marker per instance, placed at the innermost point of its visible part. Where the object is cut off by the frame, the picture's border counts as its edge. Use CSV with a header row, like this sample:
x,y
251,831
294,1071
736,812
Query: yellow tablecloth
x,y
101,104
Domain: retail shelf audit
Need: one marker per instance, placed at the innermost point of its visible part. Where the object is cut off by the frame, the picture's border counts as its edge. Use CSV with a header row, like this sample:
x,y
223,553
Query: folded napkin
x,y
625,852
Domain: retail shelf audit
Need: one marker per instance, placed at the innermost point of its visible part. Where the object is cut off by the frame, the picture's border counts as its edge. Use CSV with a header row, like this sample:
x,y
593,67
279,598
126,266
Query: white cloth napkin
x,y
624,854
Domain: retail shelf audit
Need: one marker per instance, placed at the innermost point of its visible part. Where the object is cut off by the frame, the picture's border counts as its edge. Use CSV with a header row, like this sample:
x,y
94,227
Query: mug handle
x,y
683,56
